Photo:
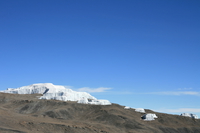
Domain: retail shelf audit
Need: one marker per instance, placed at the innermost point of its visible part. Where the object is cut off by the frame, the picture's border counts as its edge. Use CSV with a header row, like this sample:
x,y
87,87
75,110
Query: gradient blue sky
x,y
143,53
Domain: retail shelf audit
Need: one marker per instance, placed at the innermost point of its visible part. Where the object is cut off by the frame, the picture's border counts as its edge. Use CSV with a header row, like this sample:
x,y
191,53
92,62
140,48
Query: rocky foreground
x,y
25,113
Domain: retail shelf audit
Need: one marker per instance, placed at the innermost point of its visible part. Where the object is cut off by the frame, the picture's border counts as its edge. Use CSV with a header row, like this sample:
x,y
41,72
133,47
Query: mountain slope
x,y
28,114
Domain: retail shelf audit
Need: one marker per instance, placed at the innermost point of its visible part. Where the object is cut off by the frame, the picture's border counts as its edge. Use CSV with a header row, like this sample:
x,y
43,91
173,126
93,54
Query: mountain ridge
x,y
28,114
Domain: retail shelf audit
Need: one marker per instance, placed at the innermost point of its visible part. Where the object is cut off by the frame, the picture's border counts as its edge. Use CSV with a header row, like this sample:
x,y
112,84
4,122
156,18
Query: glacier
x,y
126,107
141,110
57,92
149,117
190,115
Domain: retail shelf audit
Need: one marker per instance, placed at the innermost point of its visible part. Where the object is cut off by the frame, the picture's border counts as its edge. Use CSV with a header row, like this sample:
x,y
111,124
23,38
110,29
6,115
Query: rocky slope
x,y
25,113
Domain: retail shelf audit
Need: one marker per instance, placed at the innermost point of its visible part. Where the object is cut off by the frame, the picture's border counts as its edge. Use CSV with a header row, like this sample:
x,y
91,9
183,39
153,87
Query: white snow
x,y
99,102
141,110
31,89
57,92
83,100
126,107
190,115
149,117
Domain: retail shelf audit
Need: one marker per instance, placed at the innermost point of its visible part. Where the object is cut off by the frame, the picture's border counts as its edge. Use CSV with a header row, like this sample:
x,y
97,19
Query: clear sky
x,y
142,53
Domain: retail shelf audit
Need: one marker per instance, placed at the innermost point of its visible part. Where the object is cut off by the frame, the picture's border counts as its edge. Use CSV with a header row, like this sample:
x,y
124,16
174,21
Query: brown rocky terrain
x,y
28,114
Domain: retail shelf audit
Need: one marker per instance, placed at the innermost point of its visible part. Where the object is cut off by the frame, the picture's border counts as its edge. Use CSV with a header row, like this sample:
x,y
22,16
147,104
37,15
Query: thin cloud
x,y
185,89
177,93
181,110
93,90
119,92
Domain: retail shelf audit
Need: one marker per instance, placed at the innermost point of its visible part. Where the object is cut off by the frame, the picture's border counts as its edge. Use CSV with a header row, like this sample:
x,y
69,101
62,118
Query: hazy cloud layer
x,y
93,90
177,93
181,110
184,88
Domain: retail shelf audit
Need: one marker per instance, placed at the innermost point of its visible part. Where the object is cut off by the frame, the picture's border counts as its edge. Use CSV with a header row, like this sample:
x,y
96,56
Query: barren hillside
x,y
28,114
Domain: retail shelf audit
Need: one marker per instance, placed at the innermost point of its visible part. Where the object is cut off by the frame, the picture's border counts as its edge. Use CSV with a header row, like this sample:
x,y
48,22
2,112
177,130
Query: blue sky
x,y
138,53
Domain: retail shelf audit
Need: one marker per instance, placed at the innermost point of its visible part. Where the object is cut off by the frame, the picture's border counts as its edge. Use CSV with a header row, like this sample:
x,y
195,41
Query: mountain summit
x,y
51,91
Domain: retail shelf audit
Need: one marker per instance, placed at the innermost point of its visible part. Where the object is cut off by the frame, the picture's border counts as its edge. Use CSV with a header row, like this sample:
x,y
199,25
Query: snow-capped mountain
x,y
31,89
57,92
51,91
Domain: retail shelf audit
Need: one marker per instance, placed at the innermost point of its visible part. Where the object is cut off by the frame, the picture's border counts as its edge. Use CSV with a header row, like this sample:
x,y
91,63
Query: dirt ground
x,y
28,114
